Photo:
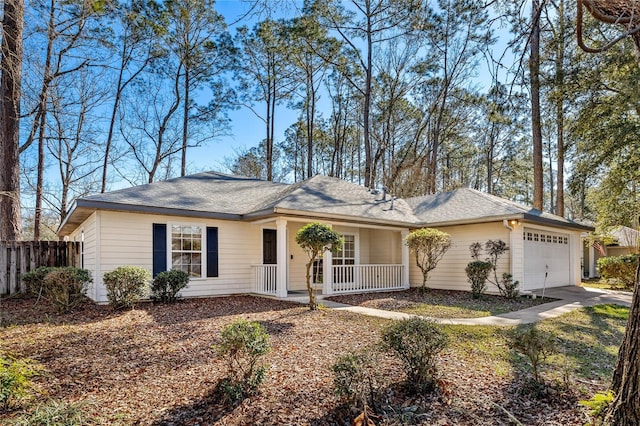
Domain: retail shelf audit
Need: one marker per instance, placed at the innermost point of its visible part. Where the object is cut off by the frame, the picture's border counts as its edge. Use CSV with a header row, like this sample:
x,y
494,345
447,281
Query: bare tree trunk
x,y
185,122
536,126
560,51
11,69
625,410
367,110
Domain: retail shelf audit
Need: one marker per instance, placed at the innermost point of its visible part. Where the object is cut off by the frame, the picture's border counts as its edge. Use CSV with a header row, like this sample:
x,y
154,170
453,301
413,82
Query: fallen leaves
x,y
154,366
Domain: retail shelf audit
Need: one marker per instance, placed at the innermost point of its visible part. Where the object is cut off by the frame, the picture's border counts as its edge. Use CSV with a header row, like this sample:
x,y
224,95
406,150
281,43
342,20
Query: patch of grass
x,y
603,285
588,341
440,303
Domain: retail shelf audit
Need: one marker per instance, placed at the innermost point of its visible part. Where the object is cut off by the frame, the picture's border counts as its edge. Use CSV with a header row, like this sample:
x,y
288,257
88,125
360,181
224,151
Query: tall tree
x,y
625,409
10,69
197,38
264,76
536,120
560,34
363,25
308,43
135,47
68,40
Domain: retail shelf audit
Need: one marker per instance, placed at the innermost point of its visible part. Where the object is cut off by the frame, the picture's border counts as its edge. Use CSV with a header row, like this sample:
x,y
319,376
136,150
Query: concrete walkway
x,y
570,298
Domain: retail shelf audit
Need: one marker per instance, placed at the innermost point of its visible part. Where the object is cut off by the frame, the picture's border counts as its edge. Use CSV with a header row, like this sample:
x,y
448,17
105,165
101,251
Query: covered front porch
x,y
374,258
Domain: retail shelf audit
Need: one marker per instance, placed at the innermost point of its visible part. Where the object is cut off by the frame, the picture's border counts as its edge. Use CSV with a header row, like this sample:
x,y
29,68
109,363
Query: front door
x,y
269,247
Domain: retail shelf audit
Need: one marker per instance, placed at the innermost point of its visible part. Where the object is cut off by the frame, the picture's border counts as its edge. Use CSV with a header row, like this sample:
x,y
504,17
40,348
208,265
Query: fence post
x,y
4,288
13,269
23,267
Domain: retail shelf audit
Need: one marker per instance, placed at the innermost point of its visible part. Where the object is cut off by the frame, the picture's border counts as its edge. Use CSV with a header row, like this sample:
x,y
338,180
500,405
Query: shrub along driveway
x,y
154,365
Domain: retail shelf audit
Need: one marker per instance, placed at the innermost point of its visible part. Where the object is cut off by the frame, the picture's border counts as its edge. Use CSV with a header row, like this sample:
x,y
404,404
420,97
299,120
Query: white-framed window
x,y
346,256
187,248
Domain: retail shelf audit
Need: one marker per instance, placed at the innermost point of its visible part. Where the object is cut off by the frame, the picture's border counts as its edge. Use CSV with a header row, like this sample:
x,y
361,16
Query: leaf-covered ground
x,y
440,303
154,365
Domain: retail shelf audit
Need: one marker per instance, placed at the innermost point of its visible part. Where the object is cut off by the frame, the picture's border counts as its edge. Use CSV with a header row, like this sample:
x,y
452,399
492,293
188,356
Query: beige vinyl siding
x,y
89,249
385,247
450,272
127,240
297,268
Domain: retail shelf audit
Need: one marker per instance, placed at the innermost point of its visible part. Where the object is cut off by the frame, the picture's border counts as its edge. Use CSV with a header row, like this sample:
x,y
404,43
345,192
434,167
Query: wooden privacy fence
x,y
19,257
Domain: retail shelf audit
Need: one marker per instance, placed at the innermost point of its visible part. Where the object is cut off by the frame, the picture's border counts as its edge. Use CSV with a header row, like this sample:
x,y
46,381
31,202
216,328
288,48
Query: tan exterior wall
x,y
450,273
89,250
126,239
385,247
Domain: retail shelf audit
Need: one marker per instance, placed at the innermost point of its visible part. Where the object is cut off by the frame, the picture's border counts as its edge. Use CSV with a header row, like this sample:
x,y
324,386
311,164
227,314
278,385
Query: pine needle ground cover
x,y
155,365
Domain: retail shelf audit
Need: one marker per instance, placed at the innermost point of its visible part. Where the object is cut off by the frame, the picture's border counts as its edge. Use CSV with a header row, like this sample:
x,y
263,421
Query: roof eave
x,y
470,221
92,205
558,223
314,215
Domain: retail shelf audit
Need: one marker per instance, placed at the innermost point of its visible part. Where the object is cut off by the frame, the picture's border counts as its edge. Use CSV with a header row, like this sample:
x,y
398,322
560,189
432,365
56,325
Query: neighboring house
x,y
621,240
237,235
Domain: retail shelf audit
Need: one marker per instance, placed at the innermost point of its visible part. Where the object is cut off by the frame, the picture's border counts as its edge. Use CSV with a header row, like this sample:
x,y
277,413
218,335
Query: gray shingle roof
x,y
201,192
468,205
331,196
218,195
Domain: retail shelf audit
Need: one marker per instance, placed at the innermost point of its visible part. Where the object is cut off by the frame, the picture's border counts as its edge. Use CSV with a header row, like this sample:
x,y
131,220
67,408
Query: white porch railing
x,y
356,278
265,279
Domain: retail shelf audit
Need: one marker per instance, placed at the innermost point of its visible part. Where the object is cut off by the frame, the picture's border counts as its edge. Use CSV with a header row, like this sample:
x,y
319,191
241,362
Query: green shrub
x,y
355,378
15,379
167,284
126,285
477,273
56,413
242,345
509,287
535,345
34,279
598,405
417,342
619,269
66,287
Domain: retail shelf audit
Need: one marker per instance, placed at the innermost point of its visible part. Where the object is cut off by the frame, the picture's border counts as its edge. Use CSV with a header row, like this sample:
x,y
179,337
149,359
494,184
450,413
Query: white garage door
x,y
546,253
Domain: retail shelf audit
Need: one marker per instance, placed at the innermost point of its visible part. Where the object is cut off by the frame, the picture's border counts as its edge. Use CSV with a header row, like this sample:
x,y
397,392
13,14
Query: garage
x,y
546,253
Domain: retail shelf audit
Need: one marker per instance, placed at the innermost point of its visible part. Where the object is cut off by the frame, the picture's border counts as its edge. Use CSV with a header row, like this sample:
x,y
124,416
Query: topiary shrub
x,y
535,345
33,280
619,270
242,345
15,379
126,285
65,287
477,274
417,342
167,284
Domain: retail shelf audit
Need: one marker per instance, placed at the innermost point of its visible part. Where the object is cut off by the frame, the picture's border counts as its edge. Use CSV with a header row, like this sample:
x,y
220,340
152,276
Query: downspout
x,y
505,222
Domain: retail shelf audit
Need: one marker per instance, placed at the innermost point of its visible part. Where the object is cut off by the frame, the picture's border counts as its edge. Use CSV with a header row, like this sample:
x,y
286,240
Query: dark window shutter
x,y
159,248
212,252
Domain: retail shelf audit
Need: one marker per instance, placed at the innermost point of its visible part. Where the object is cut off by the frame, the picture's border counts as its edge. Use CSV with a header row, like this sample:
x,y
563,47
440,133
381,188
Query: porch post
x,y
327,272
592,261
405,259
281,254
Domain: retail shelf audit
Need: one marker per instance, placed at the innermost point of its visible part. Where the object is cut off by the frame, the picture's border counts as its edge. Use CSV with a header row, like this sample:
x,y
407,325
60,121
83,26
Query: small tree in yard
x,y
429,245
315,239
